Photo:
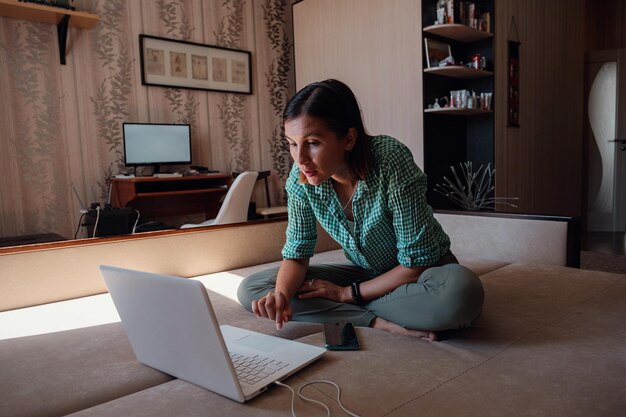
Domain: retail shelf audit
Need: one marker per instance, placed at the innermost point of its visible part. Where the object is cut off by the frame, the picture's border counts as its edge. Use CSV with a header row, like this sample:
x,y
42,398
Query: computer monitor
x,y
156,144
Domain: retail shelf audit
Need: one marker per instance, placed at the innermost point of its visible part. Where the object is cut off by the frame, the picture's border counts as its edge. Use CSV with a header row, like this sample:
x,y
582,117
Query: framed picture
x,y
436,51
513,79
174,63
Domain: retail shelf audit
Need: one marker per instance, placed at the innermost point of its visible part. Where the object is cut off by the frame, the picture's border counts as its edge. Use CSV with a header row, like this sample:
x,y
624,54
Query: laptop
x,y
172,327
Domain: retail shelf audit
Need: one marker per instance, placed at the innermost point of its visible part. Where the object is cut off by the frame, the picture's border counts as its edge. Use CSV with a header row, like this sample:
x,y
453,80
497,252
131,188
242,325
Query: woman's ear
x,y
350,139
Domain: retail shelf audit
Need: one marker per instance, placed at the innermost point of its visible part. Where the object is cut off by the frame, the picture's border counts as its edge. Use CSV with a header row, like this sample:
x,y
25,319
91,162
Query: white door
x,y
605,141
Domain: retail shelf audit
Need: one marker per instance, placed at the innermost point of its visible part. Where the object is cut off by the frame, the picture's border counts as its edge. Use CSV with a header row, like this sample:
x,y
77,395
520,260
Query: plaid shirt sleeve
x,y
420,239
301,234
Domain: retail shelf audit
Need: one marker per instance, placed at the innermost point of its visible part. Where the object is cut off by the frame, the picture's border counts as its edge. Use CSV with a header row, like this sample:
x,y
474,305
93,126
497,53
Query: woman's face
x,y
319,153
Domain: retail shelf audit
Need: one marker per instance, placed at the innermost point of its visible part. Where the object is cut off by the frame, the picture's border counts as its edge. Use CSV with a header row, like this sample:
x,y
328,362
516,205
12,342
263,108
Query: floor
x,y
604,242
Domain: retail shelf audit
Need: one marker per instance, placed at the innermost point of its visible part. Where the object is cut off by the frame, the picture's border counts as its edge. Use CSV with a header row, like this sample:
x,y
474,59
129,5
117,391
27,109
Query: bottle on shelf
x,y
441,12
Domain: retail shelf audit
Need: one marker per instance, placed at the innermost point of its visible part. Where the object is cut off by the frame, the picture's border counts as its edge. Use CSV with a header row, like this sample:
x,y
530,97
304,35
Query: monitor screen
x,y
156,144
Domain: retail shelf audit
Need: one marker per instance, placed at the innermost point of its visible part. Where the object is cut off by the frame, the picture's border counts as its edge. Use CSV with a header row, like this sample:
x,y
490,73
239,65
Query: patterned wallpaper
x,y
60,126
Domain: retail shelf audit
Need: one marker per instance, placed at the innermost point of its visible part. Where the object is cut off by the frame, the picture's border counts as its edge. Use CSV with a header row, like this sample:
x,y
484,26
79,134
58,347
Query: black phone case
x,y
340,336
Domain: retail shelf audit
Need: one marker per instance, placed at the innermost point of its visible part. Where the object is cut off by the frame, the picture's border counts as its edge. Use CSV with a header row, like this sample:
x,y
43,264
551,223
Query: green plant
x,y
472,190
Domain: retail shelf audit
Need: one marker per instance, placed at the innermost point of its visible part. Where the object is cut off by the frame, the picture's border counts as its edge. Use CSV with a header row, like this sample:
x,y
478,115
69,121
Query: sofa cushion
x,y
530,352
180,398
550,338
80,368
59,373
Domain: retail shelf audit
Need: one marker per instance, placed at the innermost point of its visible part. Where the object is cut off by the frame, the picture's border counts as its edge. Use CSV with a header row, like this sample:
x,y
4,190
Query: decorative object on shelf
x,y
463,99
437,52
441,12
472,190
174,63
450,12
513,77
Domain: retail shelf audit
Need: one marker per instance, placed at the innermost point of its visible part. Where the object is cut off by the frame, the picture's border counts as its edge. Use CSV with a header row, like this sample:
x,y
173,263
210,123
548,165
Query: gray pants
x,y
444,297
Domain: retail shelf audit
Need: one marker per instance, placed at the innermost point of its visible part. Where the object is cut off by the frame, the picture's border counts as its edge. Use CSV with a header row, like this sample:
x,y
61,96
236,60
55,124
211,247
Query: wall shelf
x,y
458,112
457,71
62,18
458,32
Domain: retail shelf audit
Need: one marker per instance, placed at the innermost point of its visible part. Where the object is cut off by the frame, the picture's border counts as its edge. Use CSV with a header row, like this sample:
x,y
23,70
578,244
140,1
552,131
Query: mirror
x,y
62,135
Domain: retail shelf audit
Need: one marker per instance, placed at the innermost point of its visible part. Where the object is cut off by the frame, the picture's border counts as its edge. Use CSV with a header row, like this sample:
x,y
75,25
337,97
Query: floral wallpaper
x,y
60,128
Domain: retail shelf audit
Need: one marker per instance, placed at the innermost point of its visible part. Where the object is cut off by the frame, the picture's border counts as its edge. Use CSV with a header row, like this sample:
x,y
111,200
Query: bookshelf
x,y
453,135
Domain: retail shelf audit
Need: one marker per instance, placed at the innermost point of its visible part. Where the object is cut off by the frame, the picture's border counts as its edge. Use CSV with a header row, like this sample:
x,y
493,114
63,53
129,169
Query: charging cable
x,y
136,221
311,400
80,223
95,226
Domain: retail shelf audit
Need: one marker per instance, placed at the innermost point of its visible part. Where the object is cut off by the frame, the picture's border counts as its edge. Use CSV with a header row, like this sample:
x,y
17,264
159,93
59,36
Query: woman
x,y
369,195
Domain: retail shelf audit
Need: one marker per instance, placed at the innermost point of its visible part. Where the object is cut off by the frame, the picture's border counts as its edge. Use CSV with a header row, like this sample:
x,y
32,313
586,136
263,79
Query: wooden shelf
x,y
46,14
458,32
457,71
62,18
458,112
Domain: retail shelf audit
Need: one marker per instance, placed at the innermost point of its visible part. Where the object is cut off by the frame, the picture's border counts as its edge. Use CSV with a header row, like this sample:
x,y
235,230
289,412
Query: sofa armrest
x,y
553,240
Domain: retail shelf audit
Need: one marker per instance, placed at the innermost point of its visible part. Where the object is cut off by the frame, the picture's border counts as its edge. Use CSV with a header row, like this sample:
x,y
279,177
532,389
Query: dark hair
x,y
334,103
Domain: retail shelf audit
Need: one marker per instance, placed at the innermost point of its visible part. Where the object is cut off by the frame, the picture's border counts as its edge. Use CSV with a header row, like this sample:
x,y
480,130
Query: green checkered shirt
x,y
393,223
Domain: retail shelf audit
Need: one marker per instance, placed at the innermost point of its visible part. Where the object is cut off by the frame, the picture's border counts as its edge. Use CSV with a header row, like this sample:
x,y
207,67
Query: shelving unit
x,y
456,135
457,71
62,18
458,32
458,112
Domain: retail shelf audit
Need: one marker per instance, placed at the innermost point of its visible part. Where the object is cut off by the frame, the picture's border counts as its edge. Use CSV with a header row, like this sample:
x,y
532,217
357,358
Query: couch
x,y
550,341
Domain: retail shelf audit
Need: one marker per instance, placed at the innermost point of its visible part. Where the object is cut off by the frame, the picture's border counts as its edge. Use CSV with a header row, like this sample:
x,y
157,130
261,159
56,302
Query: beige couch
x,y
550,342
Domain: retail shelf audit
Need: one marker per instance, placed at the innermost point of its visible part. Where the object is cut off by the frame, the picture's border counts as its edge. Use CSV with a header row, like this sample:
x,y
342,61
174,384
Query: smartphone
x,y
340,336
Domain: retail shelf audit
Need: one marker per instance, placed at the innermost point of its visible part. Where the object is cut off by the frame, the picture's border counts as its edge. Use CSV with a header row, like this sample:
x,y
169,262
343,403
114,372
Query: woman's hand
x,y
325,289
274,306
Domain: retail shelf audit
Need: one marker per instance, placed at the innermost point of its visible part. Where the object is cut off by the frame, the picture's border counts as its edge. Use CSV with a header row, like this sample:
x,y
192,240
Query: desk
x,y
163,197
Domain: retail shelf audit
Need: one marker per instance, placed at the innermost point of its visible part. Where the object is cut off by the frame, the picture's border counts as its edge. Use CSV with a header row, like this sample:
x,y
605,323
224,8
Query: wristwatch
x,y
355,292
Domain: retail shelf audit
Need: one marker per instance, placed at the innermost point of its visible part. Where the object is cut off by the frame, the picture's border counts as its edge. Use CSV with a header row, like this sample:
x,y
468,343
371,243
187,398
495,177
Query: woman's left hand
x,y
313,288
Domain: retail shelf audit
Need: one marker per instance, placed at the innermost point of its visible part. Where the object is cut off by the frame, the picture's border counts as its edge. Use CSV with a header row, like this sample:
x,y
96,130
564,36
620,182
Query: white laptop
x,y
172,327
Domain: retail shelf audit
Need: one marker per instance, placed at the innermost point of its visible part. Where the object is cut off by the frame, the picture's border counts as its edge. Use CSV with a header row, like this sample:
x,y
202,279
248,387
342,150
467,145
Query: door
x,y
605,141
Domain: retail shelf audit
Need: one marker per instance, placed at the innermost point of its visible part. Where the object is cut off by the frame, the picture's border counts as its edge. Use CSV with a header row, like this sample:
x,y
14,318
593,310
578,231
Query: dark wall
x,y
604,24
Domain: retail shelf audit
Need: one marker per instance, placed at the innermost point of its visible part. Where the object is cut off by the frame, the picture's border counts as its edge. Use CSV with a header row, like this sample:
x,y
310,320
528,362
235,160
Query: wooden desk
x,y
164,197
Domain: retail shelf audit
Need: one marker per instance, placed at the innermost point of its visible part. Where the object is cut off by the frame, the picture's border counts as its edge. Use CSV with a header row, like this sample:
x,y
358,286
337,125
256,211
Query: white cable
x,y
305,398
110,189
321,381
136,221
293,396
95,227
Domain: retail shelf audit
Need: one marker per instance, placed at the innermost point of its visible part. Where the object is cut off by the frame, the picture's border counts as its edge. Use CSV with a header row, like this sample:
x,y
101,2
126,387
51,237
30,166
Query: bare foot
x,y
390,327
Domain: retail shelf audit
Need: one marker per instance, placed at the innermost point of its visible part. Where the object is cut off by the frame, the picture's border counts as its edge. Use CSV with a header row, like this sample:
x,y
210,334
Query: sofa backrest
x,y
550,240
45,273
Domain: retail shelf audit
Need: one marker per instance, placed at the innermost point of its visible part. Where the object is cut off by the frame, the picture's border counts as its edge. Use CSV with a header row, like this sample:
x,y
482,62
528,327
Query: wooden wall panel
x,y
604,24
374,47
540,162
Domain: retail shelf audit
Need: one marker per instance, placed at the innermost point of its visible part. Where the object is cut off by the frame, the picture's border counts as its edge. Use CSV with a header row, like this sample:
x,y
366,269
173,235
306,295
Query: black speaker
x,y
110,221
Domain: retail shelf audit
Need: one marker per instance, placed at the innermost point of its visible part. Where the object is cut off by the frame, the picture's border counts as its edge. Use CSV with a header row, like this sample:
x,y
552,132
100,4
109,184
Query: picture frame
x,y
182,64
513,80
436,51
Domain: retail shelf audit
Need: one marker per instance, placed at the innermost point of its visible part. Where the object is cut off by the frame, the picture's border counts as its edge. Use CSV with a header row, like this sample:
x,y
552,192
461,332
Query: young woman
x,y
369,195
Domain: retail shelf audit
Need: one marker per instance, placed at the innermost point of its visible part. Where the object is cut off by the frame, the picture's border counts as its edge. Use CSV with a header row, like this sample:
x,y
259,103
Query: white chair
x,y
235,206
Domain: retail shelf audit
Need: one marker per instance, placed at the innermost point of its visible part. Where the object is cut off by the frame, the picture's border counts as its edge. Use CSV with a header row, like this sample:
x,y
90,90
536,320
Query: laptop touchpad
x,y
259,342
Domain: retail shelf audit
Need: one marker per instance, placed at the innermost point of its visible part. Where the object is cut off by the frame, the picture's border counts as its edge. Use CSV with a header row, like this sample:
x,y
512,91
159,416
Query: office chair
x,y
235,206
268,211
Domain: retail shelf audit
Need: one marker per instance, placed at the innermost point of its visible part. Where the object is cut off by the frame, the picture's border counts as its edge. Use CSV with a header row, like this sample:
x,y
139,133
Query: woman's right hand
x,y
274,306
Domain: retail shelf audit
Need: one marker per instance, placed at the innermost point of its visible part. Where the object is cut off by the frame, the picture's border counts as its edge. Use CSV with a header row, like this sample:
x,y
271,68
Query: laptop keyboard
x,y
252,369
